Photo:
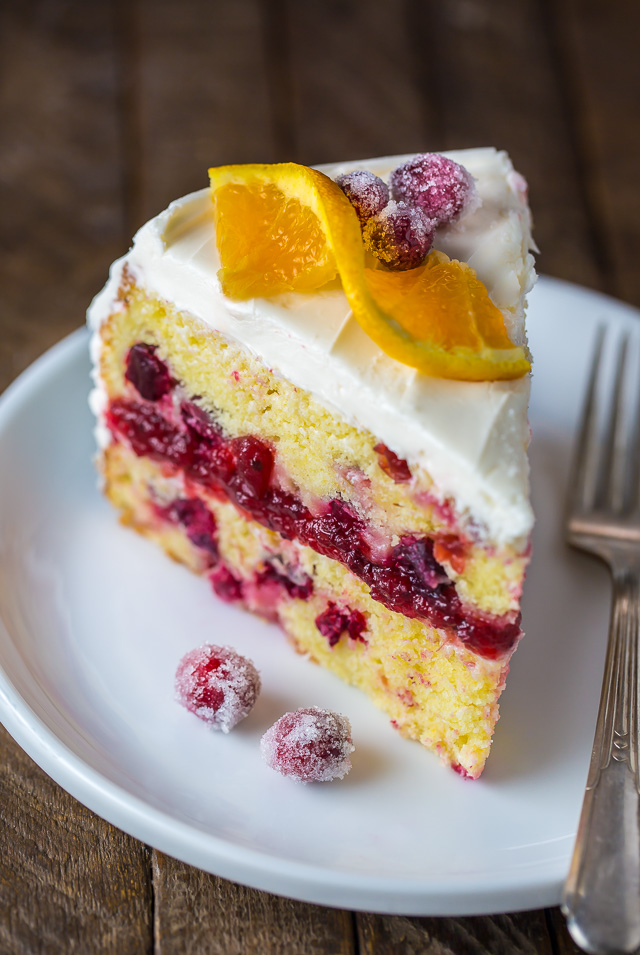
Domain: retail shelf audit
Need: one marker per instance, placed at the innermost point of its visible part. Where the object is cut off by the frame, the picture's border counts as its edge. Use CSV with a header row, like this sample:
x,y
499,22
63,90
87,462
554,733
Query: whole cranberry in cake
x,y
400,236
201,422
147,373
309,745
294,581
368,194
396,467
254,464
218,684
438,186
333,622
198,522
226,585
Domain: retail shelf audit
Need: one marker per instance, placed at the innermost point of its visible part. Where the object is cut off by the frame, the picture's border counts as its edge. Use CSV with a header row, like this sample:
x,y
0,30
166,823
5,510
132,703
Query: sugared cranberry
x,y
198,522
368,194
254,464
397,468
400,236
310,745
333,622
147,373
217,684
226,585
438,186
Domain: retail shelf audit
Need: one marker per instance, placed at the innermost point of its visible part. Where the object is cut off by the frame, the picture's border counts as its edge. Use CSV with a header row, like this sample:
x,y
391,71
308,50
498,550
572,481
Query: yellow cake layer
x,y
433,689
318,454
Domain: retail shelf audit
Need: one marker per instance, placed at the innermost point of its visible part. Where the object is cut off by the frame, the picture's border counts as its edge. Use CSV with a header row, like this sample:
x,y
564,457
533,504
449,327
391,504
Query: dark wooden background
x,y
111,108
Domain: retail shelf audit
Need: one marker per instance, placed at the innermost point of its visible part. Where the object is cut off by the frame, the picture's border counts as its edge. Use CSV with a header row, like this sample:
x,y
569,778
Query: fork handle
x,y
602,894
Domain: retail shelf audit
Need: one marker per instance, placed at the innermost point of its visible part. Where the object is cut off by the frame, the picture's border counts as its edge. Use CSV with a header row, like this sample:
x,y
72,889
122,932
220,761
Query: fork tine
x,y
612,469
585,468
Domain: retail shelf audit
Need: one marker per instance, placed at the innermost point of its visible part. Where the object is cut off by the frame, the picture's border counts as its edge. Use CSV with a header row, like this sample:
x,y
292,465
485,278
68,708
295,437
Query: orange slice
x,y
287,227
439,318
270,229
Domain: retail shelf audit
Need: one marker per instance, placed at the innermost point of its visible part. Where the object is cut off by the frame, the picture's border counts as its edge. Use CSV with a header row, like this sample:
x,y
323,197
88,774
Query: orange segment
x,y
446,323
285,227
270,238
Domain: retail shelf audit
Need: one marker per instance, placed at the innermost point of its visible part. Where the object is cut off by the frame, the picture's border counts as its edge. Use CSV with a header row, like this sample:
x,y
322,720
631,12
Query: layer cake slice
x,y
379,514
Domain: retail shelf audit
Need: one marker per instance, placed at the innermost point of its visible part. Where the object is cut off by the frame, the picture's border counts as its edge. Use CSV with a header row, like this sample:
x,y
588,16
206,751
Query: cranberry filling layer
x,y
409,581
197,521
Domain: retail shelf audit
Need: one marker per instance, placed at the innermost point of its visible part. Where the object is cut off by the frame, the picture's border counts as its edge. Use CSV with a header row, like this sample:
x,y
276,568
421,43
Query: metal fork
x,y
601,897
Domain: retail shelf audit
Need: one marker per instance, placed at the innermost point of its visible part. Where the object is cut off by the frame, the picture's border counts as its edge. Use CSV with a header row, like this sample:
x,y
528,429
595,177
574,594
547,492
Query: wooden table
x,y
111,108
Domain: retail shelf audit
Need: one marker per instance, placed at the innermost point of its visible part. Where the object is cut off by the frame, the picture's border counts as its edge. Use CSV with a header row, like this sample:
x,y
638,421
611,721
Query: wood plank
x,y
61,222
563,944
599,46
521,933
202,95
200,914
355,85
68,880
498,85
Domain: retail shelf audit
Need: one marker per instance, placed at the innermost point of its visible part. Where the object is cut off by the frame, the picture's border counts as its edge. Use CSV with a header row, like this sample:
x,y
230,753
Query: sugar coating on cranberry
x,y
438,186
400,236
309,745
368,194
218,684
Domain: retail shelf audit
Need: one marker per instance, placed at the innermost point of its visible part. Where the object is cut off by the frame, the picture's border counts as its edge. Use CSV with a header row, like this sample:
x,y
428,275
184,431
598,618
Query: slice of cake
x,y
292,419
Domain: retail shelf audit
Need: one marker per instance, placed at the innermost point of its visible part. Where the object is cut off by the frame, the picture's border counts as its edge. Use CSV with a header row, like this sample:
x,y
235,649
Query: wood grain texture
x,y
354,83
200,914
61,221
202,94
69,882
523,933
112,108
497,83
598,44
563,944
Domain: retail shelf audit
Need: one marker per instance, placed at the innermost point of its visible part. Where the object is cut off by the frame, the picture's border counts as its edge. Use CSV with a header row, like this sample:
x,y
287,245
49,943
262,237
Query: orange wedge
x,y
286,227
272,225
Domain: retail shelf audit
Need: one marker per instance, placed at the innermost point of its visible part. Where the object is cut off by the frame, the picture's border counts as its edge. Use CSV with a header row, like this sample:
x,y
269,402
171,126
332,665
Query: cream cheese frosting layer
x,y
470,436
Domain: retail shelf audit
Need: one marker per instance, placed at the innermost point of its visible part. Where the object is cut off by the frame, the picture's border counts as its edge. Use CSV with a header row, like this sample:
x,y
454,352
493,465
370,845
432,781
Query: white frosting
x,y
470,436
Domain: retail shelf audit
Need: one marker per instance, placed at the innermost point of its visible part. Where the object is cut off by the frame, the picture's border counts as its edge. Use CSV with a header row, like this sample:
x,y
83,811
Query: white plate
x,y
94,620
